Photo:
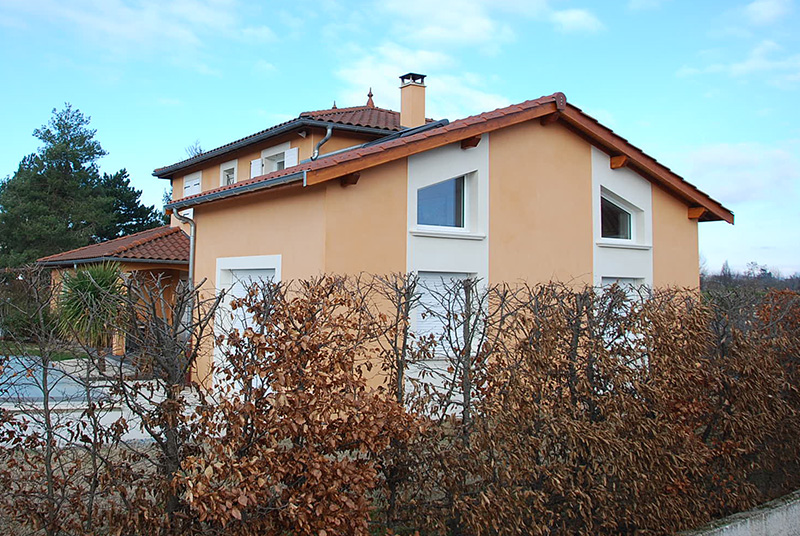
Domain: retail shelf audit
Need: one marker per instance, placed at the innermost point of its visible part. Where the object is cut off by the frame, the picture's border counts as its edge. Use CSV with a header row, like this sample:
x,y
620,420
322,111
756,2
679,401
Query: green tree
x,y
128,214
57,199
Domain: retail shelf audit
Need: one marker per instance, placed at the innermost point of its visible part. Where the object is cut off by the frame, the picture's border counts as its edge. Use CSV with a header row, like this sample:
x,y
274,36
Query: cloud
x,y
178,30
476,23
763,59
576,21
763,12
258,34
450,22
447,95
637,5
263,67
741,173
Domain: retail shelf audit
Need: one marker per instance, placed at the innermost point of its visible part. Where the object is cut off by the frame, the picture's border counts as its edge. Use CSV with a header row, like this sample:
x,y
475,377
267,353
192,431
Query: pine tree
x,y
57,200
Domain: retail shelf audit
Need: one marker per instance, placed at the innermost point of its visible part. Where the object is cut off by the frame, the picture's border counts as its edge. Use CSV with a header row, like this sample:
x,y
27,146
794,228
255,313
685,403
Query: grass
x,y
27,348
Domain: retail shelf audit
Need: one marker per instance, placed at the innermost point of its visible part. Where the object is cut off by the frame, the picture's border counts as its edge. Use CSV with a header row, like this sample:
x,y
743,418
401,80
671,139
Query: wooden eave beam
x,y
619,161
695,213
349,179
549,119
645,165
470,143
424,142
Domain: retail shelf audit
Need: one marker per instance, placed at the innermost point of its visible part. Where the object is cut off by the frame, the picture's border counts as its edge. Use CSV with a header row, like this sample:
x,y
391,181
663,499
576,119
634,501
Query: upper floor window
x,y
274,159
191,184
442,204
616,221
228,172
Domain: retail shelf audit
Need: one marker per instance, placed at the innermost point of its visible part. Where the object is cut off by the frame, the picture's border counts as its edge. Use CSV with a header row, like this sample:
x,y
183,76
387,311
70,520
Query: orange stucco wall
x,y
365,229
676,257
289,221
540,205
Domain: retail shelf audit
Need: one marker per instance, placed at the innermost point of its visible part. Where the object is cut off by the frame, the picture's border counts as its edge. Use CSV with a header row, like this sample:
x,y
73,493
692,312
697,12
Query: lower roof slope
x,y
162,245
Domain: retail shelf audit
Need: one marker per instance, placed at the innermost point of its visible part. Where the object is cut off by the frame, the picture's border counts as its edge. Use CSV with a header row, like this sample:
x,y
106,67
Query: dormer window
x,y
616,221
442,204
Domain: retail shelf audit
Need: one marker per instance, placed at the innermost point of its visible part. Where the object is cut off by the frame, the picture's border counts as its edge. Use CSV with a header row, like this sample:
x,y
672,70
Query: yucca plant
x,y
90,302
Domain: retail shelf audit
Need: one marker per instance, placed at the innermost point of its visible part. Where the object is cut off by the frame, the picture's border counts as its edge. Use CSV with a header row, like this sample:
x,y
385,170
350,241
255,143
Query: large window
x,y
616,221
442,204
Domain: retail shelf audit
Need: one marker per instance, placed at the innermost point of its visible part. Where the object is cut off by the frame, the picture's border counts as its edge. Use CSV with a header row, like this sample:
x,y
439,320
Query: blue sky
x,y
708,88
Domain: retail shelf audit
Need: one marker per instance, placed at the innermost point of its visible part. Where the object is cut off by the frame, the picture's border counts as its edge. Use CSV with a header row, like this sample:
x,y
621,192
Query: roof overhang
x,y
549,110
121,260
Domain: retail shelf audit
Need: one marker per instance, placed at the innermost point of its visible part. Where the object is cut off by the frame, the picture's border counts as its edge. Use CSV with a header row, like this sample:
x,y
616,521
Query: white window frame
x,y
469,208
233,164
225,268
636,214
279,153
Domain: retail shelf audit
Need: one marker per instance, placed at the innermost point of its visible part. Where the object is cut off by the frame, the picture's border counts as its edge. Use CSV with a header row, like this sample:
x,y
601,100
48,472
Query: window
x,y
274,159
275,163
436,291
191,184
442,204
616,221
228,172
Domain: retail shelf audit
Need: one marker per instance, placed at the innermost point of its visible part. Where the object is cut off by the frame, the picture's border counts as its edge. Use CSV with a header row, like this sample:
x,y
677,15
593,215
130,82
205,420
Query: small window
x,y
442,204
191,184
616,221
228,172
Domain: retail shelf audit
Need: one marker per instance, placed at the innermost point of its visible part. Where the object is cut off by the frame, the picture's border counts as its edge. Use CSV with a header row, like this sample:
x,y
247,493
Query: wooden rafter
x,y
470,143
619,161
350,179
550,119
695,213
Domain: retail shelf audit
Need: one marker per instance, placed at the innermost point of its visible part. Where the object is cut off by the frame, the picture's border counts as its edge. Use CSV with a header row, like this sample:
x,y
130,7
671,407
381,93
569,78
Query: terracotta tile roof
x,y
371,117
160,245
418,140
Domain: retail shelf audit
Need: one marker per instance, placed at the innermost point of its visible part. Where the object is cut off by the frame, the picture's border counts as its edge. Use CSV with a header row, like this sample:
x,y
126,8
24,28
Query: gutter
x,y
251,187
108,259
168,171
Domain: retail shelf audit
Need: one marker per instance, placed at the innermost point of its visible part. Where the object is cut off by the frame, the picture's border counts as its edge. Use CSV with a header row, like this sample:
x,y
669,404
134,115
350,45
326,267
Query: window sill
x,y
622,245
437,233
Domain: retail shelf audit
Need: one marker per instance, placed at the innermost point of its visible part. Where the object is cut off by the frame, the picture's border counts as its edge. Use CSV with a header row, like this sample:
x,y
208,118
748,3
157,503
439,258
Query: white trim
x,y
432,248
254,262
620,257
621,244
440,232
228,165
272,151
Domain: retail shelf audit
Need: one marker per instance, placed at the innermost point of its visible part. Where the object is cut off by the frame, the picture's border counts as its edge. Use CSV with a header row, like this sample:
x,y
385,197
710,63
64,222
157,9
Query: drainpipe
x,y
193,231
322,142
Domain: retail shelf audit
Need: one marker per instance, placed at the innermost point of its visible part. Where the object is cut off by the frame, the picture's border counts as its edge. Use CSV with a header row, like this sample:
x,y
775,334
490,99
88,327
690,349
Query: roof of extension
x,y
162,245
368,119
549,109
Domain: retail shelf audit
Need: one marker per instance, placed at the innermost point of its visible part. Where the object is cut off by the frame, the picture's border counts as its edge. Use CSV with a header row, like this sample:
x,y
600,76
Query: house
x,y
159,256
537,191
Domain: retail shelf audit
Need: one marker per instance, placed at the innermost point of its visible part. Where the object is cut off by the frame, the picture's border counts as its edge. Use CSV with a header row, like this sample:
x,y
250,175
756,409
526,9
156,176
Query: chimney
x,y
412,100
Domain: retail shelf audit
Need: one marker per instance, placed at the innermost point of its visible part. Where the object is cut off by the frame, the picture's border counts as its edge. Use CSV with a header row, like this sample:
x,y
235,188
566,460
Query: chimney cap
x,y
412,78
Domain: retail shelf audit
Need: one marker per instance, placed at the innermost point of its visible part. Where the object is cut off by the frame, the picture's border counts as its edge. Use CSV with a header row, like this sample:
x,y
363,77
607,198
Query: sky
x,y
710,89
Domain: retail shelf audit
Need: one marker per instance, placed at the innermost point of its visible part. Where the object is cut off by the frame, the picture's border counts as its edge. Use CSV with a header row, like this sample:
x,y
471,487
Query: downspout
x,y
328,135
193,230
